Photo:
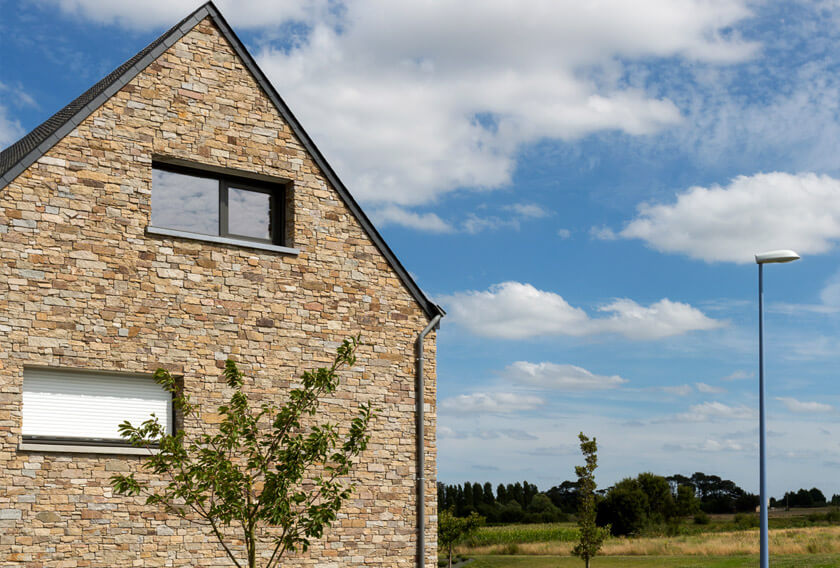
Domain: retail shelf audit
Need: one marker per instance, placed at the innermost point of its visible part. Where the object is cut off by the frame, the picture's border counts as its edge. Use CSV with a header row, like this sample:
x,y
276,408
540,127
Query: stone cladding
x,y
82,286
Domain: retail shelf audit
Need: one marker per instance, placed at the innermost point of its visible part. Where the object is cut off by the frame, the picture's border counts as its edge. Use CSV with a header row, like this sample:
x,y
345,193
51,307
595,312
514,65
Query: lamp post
x,y
762,259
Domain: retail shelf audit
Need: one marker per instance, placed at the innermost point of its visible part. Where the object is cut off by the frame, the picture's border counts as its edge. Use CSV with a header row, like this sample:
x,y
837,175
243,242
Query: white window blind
x,y
74,404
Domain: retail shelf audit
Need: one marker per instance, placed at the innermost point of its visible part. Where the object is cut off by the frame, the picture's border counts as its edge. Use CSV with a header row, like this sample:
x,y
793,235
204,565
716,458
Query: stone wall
x,y
83,287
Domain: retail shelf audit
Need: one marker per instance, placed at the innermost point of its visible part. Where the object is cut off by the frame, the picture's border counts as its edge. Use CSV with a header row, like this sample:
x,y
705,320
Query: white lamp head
x,y
776,256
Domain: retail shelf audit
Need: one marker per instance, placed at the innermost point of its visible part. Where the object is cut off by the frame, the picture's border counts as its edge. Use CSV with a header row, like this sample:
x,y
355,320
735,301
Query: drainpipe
x,y
421,445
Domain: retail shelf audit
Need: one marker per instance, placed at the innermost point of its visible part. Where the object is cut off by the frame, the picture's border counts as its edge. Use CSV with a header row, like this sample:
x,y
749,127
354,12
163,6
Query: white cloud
x,y
708,389
709,445
738,376
528,210
795,405
10,129
679,390
411,100
493,402
711,411
603,234
445,432
164,13
513,310
559,377
402,88
393,215
519,212
752,214
474,224
564,233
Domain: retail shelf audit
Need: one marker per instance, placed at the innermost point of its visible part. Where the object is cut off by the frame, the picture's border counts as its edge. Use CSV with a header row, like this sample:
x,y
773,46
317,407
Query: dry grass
x,y
811,540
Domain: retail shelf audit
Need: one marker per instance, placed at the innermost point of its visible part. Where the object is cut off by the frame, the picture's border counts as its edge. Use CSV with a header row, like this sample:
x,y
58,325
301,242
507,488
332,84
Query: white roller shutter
x,y
73,404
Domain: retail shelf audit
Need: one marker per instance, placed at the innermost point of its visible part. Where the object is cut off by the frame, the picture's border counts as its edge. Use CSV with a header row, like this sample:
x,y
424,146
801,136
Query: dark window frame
x,y
275,191
177,425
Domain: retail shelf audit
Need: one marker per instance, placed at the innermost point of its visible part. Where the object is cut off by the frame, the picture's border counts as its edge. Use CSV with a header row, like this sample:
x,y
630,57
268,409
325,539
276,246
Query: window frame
x,y
82,444
277,206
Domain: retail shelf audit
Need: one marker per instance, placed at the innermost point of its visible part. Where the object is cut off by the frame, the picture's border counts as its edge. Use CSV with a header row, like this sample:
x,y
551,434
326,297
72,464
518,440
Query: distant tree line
x,y
716,495
629,507
805,498
520,502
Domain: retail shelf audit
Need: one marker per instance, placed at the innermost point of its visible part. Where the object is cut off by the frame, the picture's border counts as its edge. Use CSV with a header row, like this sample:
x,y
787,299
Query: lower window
x,y
86,408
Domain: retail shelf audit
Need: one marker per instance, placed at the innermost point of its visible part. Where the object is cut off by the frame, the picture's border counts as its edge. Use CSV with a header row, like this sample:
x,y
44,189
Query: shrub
x,y
746,520
702,518
833,516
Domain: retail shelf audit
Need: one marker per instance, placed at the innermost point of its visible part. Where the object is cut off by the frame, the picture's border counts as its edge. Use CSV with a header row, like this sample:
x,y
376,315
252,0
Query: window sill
x,y
221,240
85,449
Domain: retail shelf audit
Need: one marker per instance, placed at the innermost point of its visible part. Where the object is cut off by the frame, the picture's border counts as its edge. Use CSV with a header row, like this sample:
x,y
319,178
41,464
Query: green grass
x,y
520,534
795,561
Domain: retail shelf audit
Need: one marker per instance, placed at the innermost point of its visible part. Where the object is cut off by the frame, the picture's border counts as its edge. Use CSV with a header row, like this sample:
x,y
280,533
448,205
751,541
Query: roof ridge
x,y
15,159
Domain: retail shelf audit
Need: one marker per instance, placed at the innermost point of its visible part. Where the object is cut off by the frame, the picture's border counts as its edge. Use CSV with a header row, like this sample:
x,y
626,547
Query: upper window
x,y
203,203
62,406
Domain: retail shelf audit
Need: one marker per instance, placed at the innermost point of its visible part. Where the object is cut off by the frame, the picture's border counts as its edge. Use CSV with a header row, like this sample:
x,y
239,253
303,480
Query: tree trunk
x,y
450,556
587,562
252,549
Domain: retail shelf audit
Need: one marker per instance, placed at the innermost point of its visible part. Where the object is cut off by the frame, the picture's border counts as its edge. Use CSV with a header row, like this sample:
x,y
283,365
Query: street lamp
x,y
762,259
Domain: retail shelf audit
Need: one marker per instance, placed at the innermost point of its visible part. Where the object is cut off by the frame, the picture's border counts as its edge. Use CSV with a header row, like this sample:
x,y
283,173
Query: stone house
x,y
177,214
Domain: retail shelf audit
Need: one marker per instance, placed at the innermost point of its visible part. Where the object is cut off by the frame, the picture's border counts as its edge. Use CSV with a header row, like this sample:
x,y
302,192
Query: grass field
x,y
812,540
797,539
787,561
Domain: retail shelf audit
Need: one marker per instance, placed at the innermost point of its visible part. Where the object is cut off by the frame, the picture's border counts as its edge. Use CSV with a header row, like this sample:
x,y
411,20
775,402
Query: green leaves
x,y
452,529
271,466
591,535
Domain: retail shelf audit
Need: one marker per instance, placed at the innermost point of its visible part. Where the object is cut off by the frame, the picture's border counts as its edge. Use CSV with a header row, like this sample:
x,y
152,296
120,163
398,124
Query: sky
x,y
582,186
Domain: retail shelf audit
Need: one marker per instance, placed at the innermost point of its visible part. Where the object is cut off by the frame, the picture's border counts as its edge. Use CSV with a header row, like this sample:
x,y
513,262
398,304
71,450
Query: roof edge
x,y
158,46
155,50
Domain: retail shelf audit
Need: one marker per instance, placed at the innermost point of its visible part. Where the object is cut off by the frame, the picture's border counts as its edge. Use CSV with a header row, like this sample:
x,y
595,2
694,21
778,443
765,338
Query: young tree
x,y
271,475
591,535
452,529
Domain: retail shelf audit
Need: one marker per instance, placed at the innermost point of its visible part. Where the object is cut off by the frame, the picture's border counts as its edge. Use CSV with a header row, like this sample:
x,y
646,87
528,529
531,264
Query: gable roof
x,y
16,158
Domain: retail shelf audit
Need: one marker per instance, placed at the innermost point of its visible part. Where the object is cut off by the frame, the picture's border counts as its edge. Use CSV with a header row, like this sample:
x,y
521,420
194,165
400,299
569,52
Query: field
x,y
797,539
788,561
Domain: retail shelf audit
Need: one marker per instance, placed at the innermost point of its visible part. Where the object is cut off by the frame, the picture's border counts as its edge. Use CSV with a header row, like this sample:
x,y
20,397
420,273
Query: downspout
x,y
421,445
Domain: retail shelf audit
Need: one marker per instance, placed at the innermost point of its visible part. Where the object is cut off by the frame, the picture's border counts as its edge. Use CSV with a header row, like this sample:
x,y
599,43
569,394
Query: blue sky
x,y
581,185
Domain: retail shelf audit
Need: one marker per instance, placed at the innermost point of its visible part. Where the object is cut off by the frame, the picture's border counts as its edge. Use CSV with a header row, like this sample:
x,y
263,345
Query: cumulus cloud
x,y
528,210
603,234
559,377
709,445
708,389
163,13
799,406
679,390
393,215
564,233
411,100
512,219
513,310
494,402
474,81
10,129
752,214
830,294
445,432
738,376
474,224
711,411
